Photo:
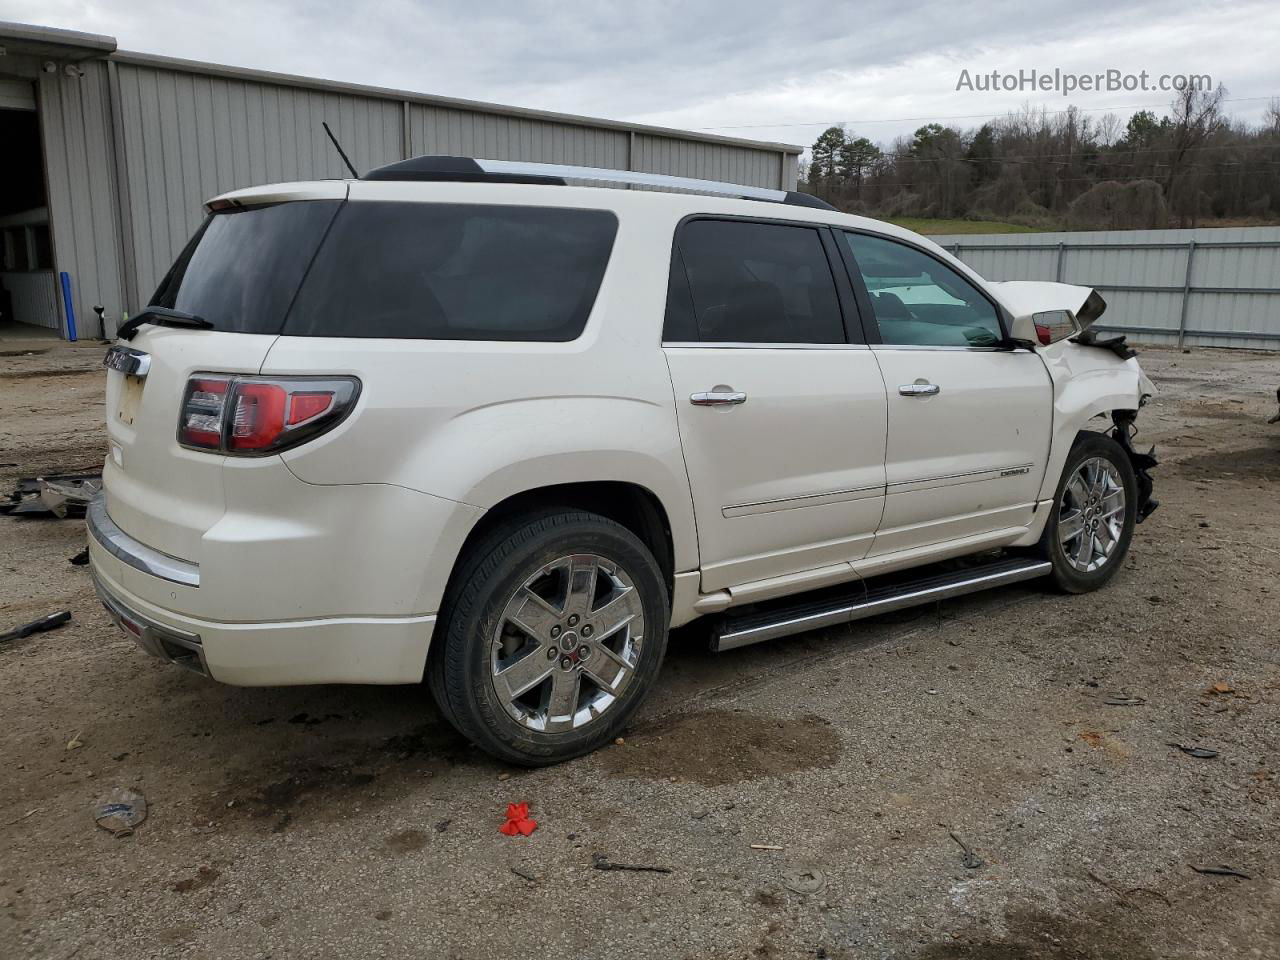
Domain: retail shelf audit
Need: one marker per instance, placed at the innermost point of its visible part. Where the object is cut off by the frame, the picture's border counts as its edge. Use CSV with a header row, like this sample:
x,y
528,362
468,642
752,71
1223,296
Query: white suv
x,y
462,421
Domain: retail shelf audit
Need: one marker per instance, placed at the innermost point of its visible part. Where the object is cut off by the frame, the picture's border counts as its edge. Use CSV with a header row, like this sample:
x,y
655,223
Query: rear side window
x,y
242,268
759,283
455,272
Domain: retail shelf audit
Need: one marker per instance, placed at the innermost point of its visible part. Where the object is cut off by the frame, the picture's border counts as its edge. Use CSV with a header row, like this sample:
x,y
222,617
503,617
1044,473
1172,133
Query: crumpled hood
x,y
1023,298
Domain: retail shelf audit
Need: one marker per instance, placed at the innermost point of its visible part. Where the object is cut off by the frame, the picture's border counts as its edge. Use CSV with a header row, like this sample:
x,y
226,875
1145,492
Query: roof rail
x,y
467,169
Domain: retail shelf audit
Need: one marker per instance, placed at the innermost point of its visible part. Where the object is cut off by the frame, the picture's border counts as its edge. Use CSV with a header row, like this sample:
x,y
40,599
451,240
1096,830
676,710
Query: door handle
x,y
921,388
719,397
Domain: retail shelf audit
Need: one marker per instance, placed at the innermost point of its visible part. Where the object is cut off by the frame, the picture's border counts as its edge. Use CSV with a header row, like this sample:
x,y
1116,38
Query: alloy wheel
x,y
567,643
1091,514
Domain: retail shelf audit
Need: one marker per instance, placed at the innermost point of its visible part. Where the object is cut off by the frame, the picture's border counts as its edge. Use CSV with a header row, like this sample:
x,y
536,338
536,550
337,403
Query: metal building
x,y
108,156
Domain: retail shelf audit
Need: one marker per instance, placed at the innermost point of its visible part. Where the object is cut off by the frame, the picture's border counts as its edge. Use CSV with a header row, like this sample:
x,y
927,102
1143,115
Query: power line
x,y
892,182
1100,154
965,116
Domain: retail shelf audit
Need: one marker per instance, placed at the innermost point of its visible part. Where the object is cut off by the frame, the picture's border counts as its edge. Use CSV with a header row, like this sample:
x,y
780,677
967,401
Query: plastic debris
x,y
120,811
518,822
81,559
75,743
68,495
51,622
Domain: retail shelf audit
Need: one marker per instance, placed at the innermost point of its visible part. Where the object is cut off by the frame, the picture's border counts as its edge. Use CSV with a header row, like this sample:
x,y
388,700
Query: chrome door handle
x,y
921,388
718,398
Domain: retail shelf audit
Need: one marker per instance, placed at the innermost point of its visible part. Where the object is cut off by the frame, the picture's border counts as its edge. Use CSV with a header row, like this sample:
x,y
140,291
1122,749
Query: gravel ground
x,y
347,821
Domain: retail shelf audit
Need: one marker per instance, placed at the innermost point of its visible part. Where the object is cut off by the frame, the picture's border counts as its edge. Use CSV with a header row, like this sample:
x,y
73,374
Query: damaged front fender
x,y
1143,463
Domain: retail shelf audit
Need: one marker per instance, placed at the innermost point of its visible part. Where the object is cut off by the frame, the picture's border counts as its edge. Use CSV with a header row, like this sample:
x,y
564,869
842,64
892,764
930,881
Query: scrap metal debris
x,y
61,496
1220,871
970,860
1200,753
51,622
1125,701
601,862
120,811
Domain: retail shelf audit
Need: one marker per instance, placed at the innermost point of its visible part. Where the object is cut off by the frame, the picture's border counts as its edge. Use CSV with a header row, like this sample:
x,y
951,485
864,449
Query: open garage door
x,y
28,284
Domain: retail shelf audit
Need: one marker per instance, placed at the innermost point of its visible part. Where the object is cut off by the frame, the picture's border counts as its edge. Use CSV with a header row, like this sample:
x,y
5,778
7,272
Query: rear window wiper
x,y
164,317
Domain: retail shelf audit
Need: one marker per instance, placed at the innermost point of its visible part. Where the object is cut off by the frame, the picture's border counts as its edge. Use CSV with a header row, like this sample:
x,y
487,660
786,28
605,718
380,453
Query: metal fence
x,y
1205,287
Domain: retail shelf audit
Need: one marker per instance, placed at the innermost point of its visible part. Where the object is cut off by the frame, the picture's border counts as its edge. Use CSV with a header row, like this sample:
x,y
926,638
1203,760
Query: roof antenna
x,y
342,153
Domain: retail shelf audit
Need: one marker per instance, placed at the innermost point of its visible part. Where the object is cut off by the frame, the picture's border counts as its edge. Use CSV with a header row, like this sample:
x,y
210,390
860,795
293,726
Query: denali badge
x,y
1015,471
128,361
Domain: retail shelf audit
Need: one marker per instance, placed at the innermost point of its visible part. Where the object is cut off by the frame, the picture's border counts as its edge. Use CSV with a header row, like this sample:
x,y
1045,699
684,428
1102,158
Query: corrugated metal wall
x,y
75,127
464,133
35,297
707,161
188,137
1144,277
154,138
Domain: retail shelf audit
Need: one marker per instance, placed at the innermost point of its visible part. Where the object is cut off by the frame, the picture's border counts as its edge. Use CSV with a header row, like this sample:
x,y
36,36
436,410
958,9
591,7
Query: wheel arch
x,y
626,503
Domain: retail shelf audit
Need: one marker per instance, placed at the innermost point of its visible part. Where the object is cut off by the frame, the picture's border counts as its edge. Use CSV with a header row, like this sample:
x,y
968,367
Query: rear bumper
x,y
327,650
134,552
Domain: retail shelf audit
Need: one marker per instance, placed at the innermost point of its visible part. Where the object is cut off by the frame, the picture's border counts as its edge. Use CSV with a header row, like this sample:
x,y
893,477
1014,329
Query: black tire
x,y
1066,575
489,576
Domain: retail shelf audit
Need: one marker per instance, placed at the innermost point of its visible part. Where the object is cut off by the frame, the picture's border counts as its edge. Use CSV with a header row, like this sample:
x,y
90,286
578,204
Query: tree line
x,y
1064,169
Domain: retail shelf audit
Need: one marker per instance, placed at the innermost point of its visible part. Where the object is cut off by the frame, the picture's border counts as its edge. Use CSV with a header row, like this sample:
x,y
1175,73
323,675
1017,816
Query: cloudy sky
x,y
765,70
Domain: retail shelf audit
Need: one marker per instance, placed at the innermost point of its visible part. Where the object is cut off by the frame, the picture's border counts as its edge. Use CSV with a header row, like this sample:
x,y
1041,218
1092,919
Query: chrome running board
x,y
867,600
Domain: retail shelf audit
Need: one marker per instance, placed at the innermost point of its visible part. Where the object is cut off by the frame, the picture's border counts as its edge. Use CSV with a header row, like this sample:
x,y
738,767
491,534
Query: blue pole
x,y
66,302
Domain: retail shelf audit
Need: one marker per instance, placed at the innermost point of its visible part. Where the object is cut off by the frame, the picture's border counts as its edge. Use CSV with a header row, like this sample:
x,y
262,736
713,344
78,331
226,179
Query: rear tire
x,y
552,633
1093,514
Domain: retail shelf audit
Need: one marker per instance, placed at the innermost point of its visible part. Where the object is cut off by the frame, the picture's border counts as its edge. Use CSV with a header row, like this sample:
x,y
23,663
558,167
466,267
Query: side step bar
x,y
869,600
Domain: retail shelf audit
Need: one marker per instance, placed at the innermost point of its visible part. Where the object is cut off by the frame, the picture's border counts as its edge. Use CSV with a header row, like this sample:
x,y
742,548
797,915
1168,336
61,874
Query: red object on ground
x,y
518,821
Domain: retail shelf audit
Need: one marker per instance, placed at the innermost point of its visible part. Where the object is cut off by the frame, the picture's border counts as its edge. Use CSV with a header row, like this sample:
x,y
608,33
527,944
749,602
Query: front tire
x,y
553,632
1093,515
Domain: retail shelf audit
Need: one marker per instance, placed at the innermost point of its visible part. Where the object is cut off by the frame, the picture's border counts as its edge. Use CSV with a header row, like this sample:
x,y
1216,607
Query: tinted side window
x,y
680,325
241,269
920,301
760,283
455,272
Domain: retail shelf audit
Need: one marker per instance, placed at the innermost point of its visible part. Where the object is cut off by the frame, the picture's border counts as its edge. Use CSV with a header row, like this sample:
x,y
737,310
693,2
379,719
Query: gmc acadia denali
x,y
464,421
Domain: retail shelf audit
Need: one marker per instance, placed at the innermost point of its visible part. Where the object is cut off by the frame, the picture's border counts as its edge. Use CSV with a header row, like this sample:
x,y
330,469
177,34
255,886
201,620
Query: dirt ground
x,y
345,821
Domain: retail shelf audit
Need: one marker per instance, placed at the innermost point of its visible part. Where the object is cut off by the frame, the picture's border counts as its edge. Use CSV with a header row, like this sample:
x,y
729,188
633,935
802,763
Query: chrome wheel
x,y
567,643
1091,514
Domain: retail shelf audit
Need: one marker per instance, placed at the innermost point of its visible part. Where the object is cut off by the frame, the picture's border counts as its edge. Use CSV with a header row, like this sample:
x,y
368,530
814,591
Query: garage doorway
x,y
28,283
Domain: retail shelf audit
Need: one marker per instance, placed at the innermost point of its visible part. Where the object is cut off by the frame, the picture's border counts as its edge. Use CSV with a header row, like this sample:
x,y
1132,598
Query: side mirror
x,y
1042,329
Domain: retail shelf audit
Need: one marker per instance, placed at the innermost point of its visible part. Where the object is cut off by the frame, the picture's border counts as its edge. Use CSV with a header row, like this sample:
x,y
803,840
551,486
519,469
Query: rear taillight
x,y
250,416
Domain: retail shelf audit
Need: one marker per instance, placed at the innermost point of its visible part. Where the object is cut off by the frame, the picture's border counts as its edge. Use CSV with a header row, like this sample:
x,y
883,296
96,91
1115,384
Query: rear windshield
x,y
242,268
403,270
455,272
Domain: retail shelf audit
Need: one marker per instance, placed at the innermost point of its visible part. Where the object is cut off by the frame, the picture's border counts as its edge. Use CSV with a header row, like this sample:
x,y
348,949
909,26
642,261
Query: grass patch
x,y
927,225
